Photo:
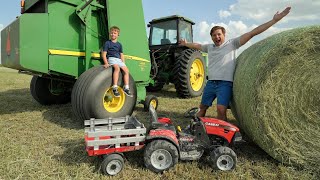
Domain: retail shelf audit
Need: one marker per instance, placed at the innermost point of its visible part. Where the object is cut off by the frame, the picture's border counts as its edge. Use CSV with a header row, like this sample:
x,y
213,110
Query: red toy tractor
x,y
163,144
204,136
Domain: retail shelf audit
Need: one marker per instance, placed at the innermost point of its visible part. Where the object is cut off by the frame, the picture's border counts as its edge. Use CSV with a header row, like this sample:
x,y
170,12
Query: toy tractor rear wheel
x,y
92,95
223,158
112,164
42,91
160,155
189,74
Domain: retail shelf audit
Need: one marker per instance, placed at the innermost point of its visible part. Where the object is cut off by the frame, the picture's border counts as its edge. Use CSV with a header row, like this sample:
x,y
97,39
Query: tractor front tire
x,y
92,95
40,91
189,74
160,155
223,158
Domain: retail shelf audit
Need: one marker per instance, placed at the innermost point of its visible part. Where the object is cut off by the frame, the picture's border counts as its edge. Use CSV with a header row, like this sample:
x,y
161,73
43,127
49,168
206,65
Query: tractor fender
x,y
164,134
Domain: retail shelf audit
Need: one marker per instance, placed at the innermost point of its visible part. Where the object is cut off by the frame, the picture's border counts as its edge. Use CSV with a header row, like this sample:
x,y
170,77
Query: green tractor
x,y
58,42
172,63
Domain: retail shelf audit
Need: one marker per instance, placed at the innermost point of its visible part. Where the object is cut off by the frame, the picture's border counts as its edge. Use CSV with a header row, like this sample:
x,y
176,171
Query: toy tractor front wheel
x,y
160,155
112,164
223,158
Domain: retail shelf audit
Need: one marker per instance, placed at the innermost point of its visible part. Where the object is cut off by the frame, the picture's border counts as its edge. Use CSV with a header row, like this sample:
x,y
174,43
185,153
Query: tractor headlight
x,y
237,137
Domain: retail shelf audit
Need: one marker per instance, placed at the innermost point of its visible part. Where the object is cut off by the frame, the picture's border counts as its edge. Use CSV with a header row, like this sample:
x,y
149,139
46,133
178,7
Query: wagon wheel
x,y
112,164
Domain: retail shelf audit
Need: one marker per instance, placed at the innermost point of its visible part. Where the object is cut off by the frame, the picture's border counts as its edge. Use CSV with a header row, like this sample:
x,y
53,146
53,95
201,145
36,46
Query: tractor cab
x,y
173,63
166,32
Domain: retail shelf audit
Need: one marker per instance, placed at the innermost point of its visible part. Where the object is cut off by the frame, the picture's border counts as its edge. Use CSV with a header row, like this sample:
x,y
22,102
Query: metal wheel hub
x,y
196,75
161,159
112,103
153,103
225,162
114,167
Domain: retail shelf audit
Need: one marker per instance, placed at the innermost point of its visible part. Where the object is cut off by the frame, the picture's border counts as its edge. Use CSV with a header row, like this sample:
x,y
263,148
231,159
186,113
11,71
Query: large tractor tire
x,y
41,91
92,95
189,74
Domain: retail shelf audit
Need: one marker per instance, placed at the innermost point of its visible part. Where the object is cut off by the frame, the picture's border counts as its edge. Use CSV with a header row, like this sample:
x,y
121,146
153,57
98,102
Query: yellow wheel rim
x,y
153,103
111,103
197,75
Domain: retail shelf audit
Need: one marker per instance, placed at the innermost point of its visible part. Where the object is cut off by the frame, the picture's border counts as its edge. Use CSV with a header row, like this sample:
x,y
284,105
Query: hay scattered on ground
x,y
277,96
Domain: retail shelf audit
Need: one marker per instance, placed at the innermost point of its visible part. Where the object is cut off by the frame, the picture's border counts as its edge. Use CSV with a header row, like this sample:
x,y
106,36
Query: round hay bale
x,y
276,96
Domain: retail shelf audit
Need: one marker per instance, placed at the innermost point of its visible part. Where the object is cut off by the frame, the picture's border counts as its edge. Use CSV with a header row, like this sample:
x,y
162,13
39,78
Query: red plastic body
x,y
220,128
164,134
164,120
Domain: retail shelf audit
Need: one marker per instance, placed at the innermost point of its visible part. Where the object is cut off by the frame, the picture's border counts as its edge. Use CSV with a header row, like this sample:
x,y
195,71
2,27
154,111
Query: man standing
x,y
222,61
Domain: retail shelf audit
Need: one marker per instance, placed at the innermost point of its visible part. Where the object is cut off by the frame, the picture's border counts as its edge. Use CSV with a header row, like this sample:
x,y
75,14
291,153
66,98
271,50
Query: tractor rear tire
x,y
92,95
189,74
40,91
160,155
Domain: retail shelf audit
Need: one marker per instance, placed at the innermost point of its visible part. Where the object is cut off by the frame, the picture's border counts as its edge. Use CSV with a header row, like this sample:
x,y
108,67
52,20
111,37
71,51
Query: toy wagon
x,y
111,137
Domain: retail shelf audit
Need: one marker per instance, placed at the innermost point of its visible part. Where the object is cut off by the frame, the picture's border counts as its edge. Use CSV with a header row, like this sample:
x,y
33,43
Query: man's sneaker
x,y
127,92
115,92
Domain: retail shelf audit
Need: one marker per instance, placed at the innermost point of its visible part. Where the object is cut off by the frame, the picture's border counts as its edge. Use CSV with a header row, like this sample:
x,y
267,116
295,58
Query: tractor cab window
x,y
185,31
164,33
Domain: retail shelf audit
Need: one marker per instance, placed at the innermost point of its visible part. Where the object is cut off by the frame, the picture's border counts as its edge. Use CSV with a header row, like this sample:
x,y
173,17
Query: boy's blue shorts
x,y
222,90
114,60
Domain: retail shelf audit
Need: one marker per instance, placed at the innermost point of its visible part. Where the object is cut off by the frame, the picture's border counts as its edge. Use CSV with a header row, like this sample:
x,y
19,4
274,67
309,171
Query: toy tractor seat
x,y
155,124
133,123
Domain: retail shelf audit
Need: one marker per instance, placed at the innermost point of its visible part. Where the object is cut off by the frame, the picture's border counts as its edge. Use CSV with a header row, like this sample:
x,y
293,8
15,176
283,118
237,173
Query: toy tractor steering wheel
x,y
192,113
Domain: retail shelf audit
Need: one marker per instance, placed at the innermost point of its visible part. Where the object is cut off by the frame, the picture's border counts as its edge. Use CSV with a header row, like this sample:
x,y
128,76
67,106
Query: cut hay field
x,y
46,142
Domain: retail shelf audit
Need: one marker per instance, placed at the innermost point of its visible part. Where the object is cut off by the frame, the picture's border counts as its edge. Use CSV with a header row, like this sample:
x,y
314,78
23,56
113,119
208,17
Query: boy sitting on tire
x,y
112,55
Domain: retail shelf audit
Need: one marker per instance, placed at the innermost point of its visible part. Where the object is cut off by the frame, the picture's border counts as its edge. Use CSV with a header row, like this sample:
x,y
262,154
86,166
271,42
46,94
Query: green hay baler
x,y
58,42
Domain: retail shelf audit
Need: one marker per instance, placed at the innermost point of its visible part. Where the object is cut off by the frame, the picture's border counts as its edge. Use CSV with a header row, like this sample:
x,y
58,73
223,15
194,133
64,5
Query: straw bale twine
x,y
276,96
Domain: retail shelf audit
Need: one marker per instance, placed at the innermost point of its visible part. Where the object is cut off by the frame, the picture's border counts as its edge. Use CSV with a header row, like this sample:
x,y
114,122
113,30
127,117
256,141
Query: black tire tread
x,y
78,91
181,73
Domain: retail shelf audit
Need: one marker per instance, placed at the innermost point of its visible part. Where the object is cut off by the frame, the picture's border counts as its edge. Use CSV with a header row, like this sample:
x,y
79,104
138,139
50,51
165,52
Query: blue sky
x,y
237,16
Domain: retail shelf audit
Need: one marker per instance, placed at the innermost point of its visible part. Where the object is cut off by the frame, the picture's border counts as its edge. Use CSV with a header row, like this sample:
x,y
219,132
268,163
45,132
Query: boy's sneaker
x,y
127,92
115,92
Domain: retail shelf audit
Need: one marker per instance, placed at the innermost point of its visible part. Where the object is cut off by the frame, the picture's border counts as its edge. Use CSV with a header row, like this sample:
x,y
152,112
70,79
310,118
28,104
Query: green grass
x,y
46,142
